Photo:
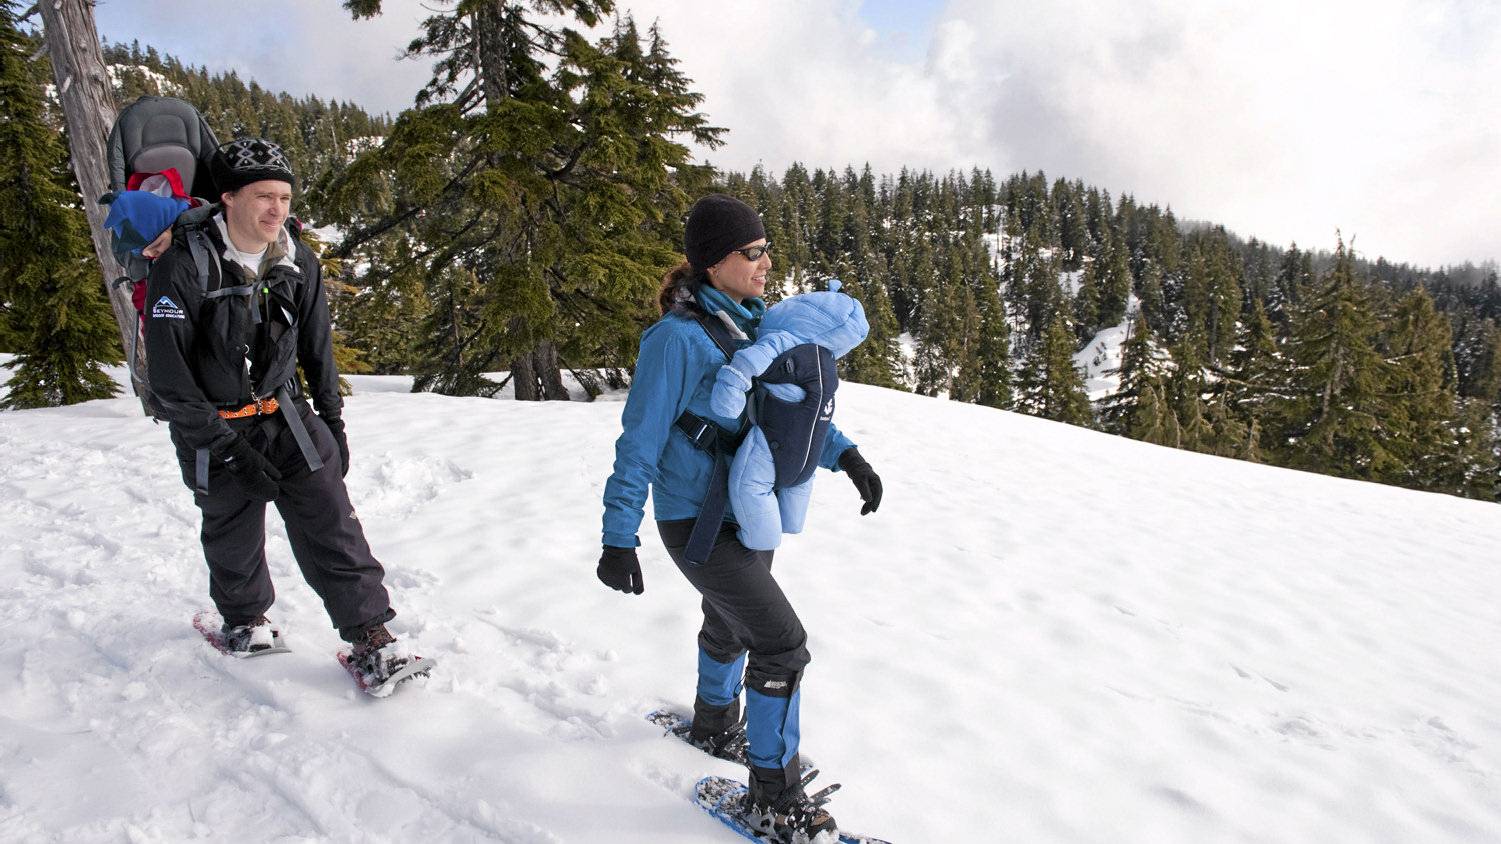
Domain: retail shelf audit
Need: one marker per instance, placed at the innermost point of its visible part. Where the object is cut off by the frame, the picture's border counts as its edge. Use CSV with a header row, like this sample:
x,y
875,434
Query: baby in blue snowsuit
x,y
829,319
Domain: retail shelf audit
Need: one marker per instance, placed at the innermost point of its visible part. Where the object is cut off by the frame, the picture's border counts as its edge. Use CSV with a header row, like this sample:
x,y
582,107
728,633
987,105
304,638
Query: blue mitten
x,y
730,387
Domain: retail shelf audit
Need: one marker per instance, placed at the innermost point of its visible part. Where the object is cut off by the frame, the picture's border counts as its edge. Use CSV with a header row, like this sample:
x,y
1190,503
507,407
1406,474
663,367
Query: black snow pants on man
x,y
327,540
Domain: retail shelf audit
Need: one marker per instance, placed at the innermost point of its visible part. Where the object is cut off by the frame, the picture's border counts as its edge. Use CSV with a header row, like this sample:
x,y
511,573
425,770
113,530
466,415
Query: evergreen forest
x,y
513,224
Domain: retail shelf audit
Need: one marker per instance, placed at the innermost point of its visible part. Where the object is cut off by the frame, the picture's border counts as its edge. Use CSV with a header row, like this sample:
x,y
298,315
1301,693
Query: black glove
x,y
251,471
336,427
619,569
863,477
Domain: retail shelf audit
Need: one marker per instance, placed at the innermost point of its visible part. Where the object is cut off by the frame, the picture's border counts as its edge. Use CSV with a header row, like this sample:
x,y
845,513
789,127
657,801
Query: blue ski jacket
x,y
675,371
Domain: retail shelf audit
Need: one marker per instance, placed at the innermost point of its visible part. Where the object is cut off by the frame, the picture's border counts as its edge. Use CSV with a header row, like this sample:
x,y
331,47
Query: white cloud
x,y
283,45
1284,119
801,81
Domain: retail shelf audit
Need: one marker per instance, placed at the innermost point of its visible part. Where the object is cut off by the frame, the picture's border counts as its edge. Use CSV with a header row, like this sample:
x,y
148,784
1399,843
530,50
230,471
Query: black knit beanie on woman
x,y
718,225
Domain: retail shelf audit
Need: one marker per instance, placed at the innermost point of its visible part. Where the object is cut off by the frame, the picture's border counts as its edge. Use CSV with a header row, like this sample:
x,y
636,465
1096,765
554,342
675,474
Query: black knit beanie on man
x,y
241,162
718,225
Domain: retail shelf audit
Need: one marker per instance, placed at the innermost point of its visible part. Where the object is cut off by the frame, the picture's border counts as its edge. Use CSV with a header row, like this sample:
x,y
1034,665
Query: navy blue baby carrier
x,y
795,431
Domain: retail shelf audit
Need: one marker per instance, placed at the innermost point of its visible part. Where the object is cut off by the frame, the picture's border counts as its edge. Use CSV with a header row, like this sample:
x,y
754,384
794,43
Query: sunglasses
x,y
754,253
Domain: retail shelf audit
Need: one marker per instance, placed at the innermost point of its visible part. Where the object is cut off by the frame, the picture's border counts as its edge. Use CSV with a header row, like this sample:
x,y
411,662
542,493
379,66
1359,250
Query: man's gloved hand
x,y
336,427
865,479
619,569
251,471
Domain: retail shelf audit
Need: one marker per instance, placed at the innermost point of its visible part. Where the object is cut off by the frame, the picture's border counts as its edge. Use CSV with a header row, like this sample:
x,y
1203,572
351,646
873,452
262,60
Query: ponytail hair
x,y
680,288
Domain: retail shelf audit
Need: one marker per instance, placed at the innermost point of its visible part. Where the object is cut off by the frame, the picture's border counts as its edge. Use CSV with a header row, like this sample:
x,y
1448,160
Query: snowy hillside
x,y
1045,635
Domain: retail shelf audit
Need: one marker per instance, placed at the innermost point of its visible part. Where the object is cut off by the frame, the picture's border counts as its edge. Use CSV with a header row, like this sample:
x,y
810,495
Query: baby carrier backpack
x,y
158,146
795,431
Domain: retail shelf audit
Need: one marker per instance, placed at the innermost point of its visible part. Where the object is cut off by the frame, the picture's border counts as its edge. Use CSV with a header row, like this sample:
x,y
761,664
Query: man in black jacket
x,y
233,307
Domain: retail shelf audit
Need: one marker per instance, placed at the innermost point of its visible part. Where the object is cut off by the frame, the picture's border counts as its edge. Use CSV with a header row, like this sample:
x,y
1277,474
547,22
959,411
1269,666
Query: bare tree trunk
x,y
550,372
88,103
492,52
539,376
525,375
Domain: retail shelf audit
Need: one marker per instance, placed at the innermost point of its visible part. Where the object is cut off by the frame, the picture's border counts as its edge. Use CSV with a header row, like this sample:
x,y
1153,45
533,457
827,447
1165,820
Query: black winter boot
x,y
377,655
777,807
718,730
250,637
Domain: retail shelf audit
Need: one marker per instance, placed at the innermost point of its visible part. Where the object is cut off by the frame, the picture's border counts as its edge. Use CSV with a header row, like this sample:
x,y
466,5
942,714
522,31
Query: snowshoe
x,y
776,806
257,638
725,800
731,745
378,663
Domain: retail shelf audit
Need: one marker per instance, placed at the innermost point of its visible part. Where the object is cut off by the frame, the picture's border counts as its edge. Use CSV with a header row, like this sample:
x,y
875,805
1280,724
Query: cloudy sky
x,y
1282,119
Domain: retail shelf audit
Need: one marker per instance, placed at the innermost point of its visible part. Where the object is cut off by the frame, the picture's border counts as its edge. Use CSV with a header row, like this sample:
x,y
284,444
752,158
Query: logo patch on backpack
x,y
168,309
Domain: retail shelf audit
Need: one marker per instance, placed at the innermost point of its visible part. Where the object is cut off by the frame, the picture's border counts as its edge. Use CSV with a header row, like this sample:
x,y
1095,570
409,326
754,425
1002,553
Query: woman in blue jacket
x,y
751,637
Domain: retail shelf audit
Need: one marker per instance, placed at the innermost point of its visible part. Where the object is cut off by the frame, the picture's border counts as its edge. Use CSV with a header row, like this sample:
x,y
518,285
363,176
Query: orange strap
x,y
255,408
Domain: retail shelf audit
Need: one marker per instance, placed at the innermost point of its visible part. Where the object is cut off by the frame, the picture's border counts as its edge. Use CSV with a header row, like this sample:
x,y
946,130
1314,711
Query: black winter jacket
x,y
223,347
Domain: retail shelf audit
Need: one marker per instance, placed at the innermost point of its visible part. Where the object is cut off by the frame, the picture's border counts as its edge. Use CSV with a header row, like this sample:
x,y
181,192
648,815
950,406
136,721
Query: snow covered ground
x,y
1045,635
1100,362
1100,359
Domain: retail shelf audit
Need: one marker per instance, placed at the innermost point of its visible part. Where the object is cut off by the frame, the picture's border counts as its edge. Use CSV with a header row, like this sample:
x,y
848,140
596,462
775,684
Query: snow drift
x,y
1045,634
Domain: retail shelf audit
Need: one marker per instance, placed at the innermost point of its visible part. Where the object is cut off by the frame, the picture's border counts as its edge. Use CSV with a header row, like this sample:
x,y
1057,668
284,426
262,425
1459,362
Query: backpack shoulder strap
x,y
718,443
704,434
718,331
203,255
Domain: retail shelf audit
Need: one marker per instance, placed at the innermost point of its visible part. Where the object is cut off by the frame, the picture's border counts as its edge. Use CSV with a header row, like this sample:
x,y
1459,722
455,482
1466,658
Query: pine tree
x,y
1139,408
57,320
964,348
1073,234
1258,273
1211,296
1087,297
1477,356
1423,406
938,313
1488,302
1332,419
993,352
1049,384
452,357
546,166
1470,463
1149,292
796,212
1041,297
1115,281
385,309
1186,389
1294,275
831,243
348,359
1164,304
878,360
1098,209
1254,375
1225,298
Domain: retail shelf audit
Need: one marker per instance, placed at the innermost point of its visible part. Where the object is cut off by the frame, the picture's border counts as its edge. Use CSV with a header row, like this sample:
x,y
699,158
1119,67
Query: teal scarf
x,y
747,314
